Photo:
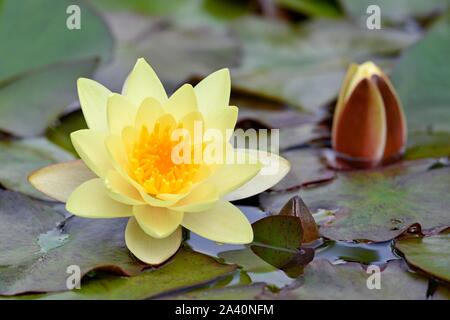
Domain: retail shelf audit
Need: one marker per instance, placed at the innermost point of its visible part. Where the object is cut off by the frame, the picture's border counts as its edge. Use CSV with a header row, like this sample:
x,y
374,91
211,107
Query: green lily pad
x,y
317,8
395,11
32,101
268,114
203,10
305,65
306,168
175,53
279,231
143,6
59,133
247,260
324,281
19,158
377,204
185,270
428,254
239,292
40,66
428,145
277,240
422,84
301,136
36,241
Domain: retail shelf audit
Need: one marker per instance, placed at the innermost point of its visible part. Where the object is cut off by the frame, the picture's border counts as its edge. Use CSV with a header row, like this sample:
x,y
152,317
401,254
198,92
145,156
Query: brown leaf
x,y
296,207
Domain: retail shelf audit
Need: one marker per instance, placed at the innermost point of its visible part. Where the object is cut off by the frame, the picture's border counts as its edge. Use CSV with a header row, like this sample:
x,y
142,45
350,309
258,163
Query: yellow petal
x,y
201,198
182,102
148,249
142,83
116,152
273,170
213,95
222,223
213,92
129,137
90,146
91,200
59,180
121,113
148,113
119,189
230,176
225,121
93,97
152,201
157,222
194,124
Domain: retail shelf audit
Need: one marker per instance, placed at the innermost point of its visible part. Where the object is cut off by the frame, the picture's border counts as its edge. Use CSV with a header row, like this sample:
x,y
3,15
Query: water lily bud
x,y
369,126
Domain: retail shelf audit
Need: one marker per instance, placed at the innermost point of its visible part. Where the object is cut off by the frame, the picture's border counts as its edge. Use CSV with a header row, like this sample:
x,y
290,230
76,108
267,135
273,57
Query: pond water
x,y
255,269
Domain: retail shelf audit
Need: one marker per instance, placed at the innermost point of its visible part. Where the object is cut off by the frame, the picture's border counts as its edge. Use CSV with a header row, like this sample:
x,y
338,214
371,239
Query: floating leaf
x,y
428,254
36,241
19,158
324,281
277,240
377,204
38,73
248,260
59,133
305,65
306,168
175,53
28,103
185,270
268,113
143,6
422,84
428,145
297,208
240,292
319,8
395,11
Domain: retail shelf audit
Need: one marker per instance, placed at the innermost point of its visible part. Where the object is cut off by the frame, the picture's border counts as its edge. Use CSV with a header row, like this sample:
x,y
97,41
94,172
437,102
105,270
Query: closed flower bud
x,y
369,126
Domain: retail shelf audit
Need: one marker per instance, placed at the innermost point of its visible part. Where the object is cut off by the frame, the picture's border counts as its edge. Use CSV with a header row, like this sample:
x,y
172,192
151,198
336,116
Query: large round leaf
x,y
377,204
41,62
422,79
305,65
428,254
19,158
322,280
394,11
185,270
38,245
175,53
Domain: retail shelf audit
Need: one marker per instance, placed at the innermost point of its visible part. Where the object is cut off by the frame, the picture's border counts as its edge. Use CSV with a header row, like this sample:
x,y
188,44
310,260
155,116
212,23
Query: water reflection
x,y
256,269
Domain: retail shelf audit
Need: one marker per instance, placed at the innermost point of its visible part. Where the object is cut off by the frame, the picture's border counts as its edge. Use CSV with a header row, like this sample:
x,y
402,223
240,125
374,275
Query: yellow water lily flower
x,y
127,167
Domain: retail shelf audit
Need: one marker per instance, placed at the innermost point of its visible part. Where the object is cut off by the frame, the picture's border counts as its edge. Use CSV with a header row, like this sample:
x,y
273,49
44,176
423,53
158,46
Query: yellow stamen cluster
x,y
151,163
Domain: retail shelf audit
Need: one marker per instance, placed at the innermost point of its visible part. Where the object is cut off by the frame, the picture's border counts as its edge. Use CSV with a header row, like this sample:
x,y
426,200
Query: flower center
x,y
152,166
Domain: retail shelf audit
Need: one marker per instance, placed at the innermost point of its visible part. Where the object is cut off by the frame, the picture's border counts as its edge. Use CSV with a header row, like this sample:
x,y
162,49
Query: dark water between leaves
x,y
254,269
